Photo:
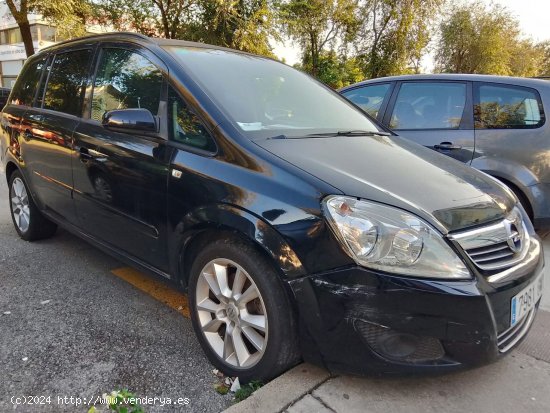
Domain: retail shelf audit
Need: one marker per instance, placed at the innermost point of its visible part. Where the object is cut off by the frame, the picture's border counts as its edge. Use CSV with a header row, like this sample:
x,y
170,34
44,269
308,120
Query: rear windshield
x,y
265,98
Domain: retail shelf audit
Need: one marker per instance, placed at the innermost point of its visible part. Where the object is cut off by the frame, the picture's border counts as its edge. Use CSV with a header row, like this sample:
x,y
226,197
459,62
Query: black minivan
x,y
299,227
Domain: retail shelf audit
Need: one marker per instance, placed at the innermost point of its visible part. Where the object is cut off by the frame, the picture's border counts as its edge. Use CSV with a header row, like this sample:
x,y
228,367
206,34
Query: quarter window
x,y
507,107
125,80
368,98
185,126
25,87
429,105
67,82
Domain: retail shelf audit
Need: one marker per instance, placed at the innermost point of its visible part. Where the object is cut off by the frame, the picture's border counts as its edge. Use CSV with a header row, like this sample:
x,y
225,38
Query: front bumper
x,y
345,315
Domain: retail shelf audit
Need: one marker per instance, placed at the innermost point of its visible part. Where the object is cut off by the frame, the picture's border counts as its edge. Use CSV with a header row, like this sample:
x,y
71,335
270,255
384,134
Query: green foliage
x,y
69,16
245,25
245,391
479,39
544,63
123,401
165,18
394,34
240,24
336,71
221,389
316,25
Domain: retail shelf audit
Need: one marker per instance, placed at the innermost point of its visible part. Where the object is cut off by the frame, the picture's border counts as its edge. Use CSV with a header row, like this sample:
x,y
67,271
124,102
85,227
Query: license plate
x,y
525,300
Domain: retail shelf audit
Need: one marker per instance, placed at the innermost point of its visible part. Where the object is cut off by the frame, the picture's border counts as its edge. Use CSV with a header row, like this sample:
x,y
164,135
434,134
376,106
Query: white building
x,y
12,49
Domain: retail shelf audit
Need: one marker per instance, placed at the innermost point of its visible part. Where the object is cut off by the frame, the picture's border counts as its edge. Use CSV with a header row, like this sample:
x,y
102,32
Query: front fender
x,y
507,169
233,218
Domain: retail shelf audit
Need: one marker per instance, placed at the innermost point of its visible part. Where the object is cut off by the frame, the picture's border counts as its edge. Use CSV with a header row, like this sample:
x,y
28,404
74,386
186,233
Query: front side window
x,y
185,127
67,82
27,83
429,105
368,98
500,106
125,80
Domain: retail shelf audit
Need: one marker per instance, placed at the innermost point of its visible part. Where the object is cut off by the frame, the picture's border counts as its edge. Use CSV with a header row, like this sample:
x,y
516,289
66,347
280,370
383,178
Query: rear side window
x,y
368,98
186,127
125,80
429,105
67,82
27,83
505,107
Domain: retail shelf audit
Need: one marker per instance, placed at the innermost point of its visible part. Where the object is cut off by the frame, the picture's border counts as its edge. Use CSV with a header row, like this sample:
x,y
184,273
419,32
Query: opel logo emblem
x,y
514,236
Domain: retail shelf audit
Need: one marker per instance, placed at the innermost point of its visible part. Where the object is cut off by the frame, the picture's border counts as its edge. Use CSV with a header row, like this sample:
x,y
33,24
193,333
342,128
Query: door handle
x,y
86,154
447,146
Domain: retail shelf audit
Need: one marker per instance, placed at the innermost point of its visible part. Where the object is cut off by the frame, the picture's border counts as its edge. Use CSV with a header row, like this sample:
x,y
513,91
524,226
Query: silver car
x,y
496,124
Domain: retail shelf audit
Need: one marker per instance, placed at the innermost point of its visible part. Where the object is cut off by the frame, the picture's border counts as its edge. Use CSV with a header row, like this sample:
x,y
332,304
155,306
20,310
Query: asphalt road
x,y
76,329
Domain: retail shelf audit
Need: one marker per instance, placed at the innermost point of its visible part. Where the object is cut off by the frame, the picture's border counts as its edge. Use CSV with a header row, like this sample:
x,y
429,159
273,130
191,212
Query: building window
x,y
14,36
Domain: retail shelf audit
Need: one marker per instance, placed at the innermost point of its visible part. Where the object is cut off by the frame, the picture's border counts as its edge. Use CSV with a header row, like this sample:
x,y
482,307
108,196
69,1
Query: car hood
x,y
391,170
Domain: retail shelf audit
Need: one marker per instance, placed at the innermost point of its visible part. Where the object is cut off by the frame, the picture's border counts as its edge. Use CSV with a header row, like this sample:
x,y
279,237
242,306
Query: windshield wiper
x,y
333,134
350,133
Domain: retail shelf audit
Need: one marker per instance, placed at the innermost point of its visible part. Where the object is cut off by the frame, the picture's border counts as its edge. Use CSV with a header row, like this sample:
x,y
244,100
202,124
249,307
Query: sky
x,y
532,15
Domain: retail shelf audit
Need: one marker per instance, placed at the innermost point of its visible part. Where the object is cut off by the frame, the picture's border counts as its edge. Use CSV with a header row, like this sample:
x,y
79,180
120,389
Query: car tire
x,y
233,292
29,222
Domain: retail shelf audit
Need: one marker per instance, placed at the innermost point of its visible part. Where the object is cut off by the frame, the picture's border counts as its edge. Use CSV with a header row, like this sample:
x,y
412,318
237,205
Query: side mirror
x,y
130,119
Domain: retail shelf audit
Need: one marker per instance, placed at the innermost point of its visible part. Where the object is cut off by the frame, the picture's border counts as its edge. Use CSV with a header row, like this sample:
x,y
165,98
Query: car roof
x,y
136,38
520,81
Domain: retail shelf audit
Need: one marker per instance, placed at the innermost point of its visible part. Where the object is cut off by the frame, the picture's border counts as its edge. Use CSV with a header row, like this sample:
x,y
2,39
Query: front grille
x,y
490,254
497,246
509,338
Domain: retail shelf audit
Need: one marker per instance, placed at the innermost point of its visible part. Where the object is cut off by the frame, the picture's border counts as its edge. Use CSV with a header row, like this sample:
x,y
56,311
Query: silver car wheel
x,y
231,313
20,205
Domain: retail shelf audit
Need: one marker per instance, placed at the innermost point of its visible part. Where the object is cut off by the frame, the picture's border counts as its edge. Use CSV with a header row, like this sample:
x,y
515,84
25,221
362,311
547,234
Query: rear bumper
x,y
346,314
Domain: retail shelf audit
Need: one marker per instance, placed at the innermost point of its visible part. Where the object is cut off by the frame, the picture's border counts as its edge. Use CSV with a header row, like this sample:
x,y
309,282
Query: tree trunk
x,y
27,37
22,21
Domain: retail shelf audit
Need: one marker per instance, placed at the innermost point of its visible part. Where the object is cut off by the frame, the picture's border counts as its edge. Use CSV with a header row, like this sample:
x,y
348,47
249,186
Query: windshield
x,y
265,98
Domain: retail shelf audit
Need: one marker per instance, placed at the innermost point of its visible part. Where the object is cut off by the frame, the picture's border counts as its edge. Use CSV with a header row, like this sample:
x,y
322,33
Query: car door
x,y
510,140
372,98
436,114
47,130
120,177
22,98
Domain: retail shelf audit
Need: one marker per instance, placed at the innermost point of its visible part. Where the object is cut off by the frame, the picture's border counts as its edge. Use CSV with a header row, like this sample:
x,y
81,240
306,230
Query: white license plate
x,y
525,300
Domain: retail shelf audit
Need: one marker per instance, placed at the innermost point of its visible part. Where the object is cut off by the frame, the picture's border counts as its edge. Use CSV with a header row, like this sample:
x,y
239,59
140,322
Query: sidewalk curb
x,y
278,394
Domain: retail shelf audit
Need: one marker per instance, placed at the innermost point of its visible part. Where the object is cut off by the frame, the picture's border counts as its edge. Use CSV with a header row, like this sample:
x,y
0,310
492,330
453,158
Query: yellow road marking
x,y
155,288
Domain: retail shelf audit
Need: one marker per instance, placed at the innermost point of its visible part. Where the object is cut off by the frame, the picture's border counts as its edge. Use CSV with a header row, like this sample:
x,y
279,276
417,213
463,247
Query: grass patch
x,y
246,390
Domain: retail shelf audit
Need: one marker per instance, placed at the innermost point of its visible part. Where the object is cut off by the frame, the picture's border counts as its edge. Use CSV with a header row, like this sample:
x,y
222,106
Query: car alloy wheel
x,y
20,205
231,313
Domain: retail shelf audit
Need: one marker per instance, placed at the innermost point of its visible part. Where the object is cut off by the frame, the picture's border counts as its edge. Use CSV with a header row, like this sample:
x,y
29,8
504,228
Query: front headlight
x,y
389,239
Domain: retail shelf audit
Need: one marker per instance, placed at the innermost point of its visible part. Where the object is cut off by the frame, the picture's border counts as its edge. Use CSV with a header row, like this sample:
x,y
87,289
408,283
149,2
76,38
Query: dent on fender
x,y
234,218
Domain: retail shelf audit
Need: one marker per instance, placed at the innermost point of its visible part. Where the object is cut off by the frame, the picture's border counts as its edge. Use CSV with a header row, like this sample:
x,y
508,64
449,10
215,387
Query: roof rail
x,y
99,35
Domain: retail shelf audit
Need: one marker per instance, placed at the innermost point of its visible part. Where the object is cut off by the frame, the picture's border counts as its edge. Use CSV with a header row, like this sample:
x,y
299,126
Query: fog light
x,y
397,346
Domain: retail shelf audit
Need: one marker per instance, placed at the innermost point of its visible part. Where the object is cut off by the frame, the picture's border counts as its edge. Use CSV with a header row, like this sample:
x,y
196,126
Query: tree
x,y
245,25
394,34
478,39
335,70
21,18
544,65
68,15
150,17
316,25
240,24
